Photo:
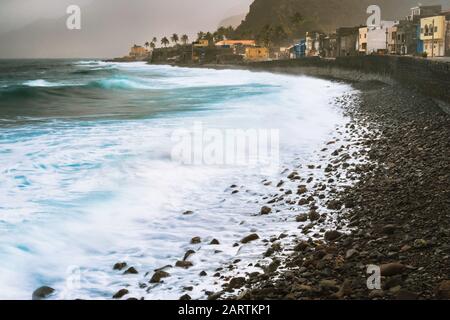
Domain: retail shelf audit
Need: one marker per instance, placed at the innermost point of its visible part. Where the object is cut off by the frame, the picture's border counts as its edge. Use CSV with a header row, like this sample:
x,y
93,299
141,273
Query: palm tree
x,y
200,35
218,36
184,39
229,32
174,38
152,45
209,36
165,42
155,40
147,45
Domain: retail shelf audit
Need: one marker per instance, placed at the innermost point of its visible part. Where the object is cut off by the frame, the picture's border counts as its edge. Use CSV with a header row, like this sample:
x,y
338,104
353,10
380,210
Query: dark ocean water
x,y
64,88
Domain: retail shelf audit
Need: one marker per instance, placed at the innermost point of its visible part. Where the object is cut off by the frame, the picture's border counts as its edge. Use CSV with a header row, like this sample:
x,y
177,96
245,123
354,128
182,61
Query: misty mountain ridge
x,y
234,21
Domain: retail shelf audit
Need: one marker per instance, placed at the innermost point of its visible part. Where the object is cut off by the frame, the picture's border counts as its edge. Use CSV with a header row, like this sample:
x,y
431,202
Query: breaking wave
x,y
42,83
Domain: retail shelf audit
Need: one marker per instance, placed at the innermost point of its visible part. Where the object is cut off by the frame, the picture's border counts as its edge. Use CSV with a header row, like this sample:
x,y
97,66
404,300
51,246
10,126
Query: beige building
x,y
313,44
362,43
433,33
392,39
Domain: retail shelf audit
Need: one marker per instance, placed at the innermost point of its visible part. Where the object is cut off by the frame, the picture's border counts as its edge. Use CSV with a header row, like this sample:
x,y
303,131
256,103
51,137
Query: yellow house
x,y
256,53
202,43
138,52
432,33
362,43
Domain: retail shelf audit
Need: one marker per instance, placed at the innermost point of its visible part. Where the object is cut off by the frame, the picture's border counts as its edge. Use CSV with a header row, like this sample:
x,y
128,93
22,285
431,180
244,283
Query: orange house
x,y
256,54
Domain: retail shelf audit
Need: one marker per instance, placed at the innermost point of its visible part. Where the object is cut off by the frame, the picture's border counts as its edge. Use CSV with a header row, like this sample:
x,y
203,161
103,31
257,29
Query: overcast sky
x,y
36,28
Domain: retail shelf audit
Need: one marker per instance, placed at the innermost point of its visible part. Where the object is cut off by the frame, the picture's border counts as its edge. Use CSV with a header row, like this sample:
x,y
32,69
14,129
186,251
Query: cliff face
x,y
324,15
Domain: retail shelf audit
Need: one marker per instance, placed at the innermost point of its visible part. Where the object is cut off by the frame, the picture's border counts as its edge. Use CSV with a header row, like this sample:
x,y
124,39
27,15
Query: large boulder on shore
x,y
332,235
392,269
443,290
158,275
250,238
121,293
42,293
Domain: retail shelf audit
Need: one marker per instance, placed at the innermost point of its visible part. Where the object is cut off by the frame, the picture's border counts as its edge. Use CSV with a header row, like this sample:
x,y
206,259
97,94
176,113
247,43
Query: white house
x,y
378,36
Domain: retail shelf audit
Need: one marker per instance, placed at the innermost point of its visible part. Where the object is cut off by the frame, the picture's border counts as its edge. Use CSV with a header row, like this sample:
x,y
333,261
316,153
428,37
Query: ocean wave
x,y
87,62
96,71
45,89
118,83
24,92
43,83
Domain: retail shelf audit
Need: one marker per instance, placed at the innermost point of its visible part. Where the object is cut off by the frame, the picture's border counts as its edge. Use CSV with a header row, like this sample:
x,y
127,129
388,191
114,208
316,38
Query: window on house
x,y
435,29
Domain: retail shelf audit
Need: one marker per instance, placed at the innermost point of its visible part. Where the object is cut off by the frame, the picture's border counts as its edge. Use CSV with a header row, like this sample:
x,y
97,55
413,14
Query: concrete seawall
x,y
431,78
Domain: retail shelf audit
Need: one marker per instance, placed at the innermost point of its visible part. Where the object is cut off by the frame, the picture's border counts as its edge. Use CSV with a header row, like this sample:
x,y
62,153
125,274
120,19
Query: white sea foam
x,y
42,83
92,194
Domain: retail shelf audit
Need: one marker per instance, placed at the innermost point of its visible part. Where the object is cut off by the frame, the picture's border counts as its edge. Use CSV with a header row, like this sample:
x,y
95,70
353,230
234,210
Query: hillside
x,y
298,16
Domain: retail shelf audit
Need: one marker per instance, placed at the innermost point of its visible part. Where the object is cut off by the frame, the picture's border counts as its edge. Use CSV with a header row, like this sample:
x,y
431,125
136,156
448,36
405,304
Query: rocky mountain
x,y
298,16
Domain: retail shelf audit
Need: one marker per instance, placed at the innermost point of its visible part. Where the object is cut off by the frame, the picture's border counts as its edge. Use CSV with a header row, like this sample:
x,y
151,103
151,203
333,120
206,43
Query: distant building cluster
x,y
425,32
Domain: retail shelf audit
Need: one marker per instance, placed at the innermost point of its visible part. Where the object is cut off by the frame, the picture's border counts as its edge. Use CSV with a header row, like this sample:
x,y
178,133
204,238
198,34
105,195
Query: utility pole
x,y
432,40
387,45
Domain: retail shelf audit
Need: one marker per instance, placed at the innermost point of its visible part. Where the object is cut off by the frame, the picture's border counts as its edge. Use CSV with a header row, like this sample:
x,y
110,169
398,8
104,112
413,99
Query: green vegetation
x,y
184,39
174,38
165,42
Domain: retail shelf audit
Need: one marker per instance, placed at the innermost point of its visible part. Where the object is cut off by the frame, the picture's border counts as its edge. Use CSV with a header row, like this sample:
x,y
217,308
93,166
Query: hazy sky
x,y
36,28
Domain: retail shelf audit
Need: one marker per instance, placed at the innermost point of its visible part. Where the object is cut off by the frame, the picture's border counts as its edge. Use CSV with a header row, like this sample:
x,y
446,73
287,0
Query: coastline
x,y
397,212
301,202
377,196
393,215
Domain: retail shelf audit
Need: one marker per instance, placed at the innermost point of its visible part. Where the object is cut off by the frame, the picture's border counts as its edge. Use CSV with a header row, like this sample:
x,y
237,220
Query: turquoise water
x,y
88,177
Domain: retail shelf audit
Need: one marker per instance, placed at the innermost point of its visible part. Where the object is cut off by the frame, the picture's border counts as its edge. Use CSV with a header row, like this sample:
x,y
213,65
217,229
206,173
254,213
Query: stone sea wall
x,y
428,77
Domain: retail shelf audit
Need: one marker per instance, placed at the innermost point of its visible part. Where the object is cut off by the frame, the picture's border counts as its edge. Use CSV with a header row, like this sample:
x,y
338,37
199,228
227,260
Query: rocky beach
x,y
396,216
362,186
378,197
